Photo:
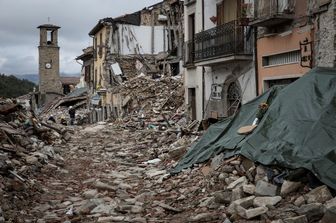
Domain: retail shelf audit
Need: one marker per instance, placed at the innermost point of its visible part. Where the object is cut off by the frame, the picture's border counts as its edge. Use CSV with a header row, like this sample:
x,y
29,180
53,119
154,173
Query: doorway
x,y
192,102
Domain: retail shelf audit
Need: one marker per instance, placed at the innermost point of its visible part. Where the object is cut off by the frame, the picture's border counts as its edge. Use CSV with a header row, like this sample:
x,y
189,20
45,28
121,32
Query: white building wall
x,y
193,76
133,39
193,79
209,11
242,72
247,82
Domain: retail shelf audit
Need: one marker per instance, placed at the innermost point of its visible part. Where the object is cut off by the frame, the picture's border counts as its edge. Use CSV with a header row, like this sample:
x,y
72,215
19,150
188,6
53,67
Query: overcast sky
x,y
19,36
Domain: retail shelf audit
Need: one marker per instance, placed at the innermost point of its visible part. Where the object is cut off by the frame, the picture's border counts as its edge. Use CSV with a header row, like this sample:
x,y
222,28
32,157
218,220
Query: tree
x,y
12,87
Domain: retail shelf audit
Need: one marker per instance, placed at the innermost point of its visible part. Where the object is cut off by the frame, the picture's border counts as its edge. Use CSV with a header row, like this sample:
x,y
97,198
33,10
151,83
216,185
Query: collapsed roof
x,y
131,19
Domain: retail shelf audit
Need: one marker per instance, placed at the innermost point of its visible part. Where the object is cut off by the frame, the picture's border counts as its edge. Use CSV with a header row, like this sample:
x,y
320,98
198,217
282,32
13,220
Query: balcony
x,y
272,12
223,43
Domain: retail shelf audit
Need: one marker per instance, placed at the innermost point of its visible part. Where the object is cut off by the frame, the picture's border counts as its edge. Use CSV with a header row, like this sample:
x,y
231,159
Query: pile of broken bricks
x,y
26,145
246,192
159,102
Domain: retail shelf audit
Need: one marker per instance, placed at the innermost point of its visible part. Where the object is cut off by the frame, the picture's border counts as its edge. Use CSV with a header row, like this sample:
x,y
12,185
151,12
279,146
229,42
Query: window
x,y
191,26
282,58
95,48
87,73
95,80
277,82
226,11
100,48
49,37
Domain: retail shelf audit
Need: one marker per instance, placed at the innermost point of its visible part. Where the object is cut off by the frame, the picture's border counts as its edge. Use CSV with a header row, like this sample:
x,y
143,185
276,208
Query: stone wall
x,y
49,78
325,42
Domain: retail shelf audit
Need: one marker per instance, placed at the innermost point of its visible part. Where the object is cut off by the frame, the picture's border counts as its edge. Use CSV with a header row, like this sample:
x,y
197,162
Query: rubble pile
x,y
107,168
157,103
59,108
62,112
114,174
26,145
238,190
121,171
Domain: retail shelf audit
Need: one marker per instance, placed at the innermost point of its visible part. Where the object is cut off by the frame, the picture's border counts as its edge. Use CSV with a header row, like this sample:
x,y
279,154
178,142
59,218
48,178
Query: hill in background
x,y
35,77
12,87
30,77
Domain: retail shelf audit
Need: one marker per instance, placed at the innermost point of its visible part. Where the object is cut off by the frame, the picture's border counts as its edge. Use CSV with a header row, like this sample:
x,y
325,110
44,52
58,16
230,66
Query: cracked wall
x,y
325,42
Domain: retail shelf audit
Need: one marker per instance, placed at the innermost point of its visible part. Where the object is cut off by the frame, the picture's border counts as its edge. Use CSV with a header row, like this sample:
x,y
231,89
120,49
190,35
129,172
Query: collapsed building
x,y
147,42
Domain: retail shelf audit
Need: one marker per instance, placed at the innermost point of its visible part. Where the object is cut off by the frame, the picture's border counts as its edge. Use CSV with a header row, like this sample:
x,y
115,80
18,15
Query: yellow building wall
x,y
99,60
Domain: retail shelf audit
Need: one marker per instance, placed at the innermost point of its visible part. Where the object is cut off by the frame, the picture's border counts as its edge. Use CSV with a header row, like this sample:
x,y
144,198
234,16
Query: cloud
x,y
19,36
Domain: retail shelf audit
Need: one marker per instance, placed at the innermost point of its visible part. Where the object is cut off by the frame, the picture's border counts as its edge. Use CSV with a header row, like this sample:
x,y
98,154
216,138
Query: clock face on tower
x,y
48,65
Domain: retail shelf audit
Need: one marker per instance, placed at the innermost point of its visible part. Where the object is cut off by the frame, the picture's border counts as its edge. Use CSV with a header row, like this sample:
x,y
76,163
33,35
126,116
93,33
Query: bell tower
x,y
50,84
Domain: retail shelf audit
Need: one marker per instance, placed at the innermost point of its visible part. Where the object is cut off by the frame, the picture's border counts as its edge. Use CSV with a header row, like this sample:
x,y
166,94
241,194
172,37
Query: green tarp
x,y
297,131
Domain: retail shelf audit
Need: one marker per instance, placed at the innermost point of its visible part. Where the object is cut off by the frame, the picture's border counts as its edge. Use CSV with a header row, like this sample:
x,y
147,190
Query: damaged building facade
x,y
232,50
324,17
219,64
235,50
146,42
87,73
284,41
293,37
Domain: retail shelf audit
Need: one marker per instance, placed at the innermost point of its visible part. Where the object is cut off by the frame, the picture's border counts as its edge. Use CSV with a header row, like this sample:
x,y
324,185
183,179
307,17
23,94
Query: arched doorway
x,y
233,98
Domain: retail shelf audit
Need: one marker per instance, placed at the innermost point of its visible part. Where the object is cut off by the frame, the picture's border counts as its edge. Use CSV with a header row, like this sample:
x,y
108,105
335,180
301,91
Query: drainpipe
x,y
152,37
203,69
256,58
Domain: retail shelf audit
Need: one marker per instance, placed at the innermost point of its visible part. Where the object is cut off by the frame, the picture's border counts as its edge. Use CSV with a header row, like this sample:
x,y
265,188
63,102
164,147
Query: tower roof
x,y
48,26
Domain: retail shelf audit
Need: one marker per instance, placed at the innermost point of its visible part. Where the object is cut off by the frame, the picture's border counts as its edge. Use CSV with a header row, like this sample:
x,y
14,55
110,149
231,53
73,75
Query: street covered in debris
x,y
127,170
181,111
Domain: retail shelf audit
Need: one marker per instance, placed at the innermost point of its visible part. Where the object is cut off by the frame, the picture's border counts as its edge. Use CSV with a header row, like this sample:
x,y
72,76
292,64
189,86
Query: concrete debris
x,y
265,189
298,219
90,194
318,195
217,161
118,170
103,186
266,201
223,197
202,217
289,187
251,213
26,147
330,215
313,211
330,203
239,182
299,201
249,188
169,208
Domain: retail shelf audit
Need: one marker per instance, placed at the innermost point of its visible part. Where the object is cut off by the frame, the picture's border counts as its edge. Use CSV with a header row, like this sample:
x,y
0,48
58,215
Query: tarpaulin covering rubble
x,y
297,131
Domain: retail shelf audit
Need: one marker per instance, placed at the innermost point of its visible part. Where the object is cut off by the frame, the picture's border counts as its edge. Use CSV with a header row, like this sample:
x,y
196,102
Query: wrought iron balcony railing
x,y
272,12
225,40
